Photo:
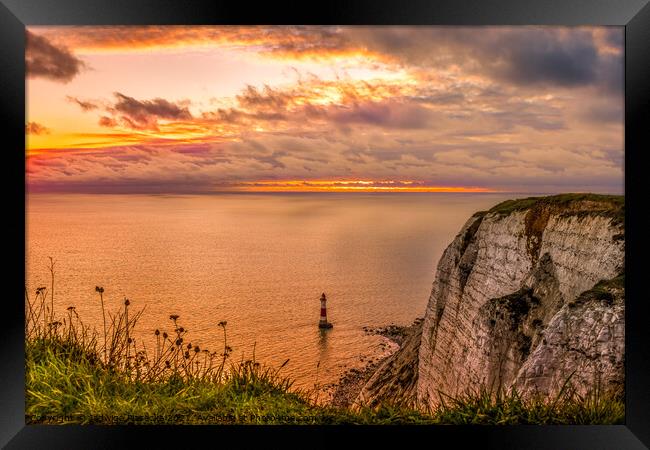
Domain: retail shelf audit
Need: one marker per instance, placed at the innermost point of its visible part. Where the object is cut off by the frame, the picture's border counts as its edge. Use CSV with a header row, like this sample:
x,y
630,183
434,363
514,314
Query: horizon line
x,y
252,192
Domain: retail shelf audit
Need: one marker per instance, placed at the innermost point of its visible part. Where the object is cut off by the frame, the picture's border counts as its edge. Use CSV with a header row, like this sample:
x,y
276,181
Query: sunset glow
x,y
206,109
350,186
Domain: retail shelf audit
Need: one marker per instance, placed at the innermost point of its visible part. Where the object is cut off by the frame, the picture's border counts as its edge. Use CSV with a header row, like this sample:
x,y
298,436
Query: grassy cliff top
x,y
64,387
608,205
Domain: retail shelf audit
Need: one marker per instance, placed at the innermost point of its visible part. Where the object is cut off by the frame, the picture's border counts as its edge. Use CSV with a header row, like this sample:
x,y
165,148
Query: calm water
x,y
258,261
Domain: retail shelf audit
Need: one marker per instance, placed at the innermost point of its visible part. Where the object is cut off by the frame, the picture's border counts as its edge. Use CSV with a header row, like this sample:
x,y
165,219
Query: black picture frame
x,y
634,15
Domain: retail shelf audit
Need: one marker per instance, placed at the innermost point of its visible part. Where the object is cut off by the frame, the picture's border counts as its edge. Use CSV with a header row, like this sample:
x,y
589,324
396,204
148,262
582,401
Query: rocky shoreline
x,y
352,381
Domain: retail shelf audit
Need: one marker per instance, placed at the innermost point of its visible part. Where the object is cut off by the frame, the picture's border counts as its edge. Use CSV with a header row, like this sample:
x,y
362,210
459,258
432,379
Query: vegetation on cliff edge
x,y
609,205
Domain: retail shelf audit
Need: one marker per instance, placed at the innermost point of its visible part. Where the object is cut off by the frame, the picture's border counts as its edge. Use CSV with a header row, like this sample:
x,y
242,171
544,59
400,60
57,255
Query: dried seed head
x,y
197,349
165,335
181,329
126,302
187,355
179,341
189,346
173,317
157,332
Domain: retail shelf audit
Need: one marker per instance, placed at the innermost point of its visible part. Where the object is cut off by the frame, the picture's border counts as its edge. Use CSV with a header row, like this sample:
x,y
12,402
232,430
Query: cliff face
x,y
395,380
518,300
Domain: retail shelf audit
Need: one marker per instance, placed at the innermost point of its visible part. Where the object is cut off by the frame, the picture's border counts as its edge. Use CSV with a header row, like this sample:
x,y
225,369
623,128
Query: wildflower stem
x,y
52,289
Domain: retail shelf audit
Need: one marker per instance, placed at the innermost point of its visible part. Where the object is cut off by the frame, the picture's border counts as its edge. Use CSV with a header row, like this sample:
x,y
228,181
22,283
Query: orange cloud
x,y
36,129
282,40
311,105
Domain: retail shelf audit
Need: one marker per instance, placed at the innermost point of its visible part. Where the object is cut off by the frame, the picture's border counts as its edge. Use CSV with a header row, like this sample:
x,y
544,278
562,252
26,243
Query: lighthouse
x,y
323,313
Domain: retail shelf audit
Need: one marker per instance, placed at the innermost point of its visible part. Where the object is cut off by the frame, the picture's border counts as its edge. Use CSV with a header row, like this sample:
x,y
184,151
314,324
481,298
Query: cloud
x,y
36,129
341,103
557,56
515,108
108,122
611,76
384,114
213,167
511,114
142,111
277,40
85,105
603,111
267,98
614,36
136,114
45,60
546,58
238,116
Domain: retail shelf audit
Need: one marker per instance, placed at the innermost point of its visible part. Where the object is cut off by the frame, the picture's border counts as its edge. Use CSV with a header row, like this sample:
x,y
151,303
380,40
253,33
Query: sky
x,y
178,109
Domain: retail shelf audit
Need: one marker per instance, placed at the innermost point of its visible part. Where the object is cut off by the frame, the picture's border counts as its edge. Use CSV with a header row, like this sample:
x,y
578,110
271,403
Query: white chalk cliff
x,y
528,295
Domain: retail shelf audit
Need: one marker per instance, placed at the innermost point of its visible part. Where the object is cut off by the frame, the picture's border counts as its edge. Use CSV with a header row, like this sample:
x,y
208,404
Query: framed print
x,y
374,221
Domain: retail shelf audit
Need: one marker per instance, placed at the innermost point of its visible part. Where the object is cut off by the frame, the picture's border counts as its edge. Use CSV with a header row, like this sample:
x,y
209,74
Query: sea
x,y
258,261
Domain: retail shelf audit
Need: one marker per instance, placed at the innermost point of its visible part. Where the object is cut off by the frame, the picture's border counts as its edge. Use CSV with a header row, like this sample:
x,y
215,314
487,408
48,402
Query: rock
x,y
394,379
527,295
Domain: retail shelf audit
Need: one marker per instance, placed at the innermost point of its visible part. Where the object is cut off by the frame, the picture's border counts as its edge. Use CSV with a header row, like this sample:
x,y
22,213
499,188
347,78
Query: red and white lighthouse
x,y
323,313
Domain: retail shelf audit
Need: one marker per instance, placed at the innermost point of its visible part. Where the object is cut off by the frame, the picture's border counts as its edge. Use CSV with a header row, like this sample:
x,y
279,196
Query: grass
x,y
510,408
66,389
603,291
61,389
75,374
610,205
